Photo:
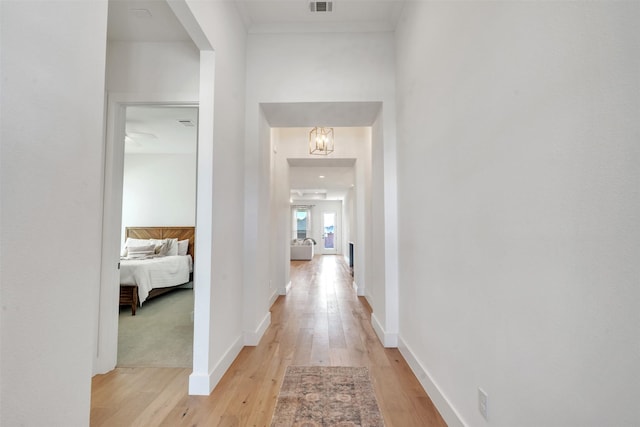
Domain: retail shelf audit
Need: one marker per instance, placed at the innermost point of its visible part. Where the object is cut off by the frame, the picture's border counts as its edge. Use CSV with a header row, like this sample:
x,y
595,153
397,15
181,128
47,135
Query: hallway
x,y
320,322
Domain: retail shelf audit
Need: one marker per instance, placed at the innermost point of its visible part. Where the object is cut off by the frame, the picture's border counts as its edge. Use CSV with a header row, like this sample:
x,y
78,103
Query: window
x,y
301,223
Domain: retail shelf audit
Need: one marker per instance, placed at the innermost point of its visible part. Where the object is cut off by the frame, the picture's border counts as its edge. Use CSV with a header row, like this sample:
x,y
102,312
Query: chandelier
x,y
321,141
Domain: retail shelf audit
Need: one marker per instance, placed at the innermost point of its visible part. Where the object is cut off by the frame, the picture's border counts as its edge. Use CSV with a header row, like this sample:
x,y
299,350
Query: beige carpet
x,y
313,396
160,334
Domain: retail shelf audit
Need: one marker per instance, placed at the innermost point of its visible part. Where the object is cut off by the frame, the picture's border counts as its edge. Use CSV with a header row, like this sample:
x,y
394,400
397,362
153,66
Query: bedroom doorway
x,y
158,190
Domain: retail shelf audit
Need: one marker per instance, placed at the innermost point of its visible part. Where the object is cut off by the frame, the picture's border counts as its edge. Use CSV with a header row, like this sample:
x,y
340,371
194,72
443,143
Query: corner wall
x,y
219,310
518,198
51,172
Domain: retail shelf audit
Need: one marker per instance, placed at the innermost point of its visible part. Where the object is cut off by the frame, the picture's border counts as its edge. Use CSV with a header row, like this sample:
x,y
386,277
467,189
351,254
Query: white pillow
x,y
183,247
130,243
170,247
140,251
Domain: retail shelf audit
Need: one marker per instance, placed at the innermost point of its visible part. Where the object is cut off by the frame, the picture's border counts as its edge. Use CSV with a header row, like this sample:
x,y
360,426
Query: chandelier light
x,y
321,141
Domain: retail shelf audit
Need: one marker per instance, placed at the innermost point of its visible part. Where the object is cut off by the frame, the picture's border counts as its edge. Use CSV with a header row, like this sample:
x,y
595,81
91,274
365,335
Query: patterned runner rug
x,y
313,396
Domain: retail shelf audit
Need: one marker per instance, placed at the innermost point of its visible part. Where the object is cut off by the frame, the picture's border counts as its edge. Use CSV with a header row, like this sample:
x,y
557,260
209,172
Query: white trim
x,y
359,290
169,98
252,338
387,339
336,235
106,350
190,23
106,353
203,385
444,406
203,326
285,290
274,296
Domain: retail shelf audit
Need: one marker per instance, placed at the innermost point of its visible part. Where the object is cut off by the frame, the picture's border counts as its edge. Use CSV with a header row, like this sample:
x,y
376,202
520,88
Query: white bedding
x,y
160,272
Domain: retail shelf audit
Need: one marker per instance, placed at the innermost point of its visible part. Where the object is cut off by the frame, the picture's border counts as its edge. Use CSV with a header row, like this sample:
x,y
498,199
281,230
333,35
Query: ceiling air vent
x,y
321,6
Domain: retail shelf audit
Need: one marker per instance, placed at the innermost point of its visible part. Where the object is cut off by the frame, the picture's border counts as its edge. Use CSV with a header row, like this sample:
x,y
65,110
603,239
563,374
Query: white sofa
x,y
302,251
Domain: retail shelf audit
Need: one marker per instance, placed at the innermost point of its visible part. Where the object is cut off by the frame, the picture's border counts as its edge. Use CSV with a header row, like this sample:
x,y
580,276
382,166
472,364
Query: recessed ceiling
x,y
154,21
161,130
330,162
321,179
143,21
310,114
288,16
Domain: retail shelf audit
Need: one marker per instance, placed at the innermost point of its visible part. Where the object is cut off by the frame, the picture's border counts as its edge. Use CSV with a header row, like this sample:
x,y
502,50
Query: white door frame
x,y
323,250
106,343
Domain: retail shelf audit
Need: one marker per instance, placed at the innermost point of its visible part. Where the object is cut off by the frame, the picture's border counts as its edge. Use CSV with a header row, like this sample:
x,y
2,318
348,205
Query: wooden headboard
x,y
180,233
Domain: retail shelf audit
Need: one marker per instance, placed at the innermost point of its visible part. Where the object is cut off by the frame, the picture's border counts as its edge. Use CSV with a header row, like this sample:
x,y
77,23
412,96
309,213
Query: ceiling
x,y
327,114
143,21
161,130
339,174
290,16
153,20
321,179
155,129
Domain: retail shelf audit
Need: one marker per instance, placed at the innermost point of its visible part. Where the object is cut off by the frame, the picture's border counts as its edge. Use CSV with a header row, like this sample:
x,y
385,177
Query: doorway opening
x,y
329,232
158,192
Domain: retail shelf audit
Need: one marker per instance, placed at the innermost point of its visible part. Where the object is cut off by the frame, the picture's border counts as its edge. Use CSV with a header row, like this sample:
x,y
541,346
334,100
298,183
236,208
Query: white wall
x,y
219,306
518,202
349,221
281,224
52,65
159,190
384,318
153,68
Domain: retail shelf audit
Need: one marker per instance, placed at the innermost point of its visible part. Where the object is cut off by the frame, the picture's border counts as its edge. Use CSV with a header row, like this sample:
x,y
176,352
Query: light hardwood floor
x,y
320,322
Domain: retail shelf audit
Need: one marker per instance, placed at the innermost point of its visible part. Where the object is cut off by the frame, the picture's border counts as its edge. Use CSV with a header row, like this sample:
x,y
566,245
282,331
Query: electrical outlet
x,y
483,403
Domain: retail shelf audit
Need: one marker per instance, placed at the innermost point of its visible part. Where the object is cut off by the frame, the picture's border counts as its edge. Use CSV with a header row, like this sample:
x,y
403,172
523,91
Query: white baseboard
x,y
203,384
252,338
285,290
274,297
387,339
359,290
448,412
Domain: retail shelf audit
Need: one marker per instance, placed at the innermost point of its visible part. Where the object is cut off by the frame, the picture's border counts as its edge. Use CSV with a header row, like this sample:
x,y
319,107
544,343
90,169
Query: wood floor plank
x,y
320,322
164,400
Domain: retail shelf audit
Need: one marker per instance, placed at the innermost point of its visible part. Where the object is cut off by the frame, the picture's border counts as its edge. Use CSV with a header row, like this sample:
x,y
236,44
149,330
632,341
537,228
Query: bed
x,y
151,275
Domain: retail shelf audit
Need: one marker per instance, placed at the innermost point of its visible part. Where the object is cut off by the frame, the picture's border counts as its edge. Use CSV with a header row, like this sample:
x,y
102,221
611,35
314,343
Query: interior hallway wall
x,y
153,68
220,310
279,274
52,63
518,162
159,190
